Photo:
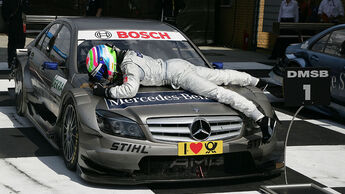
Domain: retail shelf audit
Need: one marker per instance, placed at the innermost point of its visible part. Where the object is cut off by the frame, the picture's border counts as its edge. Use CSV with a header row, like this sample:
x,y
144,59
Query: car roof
x,y
335,27
324,32
93,23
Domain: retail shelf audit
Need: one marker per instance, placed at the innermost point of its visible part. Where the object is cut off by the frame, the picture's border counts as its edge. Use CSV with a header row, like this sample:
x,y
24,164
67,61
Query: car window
x,y
319,46
60,50
46,37
156,49
335,42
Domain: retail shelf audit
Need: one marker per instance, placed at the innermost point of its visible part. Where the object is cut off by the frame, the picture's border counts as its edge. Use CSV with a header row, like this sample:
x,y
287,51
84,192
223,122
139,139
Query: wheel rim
x,y
18,89
70,134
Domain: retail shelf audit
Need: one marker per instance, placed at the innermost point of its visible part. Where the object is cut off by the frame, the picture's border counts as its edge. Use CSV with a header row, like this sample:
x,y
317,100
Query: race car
x,y
325,49
159,135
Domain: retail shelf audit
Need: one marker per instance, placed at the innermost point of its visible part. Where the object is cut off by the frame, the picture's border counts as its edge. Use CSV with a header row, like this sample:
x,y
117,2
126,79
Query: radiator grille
x,y
176,129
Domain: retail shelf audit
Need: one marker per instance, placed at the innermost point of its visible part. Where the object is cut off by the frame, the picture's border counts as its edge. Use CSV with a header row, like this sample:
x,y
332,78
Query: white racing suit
x,y
140,69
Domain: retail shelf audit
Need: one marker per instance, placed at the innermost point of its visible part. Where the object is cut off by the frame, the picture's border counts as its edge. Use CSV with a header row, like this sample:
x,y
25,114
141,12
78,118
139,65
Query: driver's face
x,y
110,77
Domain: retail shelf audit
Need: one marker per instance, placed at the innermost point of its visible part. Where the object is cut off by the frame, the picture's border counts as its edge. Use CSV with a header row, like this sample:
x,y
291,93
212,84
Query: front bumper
x,y
114,160
158,170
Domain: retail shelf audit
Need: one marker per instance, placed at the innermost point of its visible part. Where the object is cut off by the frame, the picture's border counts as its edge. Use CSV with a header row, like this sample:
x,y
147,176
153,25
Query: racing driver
x,y
107,62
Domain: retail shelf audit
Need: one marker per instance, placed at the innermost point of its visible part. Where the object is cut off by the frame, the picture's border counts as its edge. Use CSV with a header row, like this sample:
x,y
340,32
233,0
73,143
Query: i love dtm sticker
x,y
200,148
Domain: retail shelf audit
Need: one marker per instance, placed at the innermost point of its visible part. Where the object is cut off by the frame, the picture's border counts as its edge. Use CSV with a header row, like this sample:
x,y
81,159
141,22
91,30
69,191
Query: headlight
x,y
114,124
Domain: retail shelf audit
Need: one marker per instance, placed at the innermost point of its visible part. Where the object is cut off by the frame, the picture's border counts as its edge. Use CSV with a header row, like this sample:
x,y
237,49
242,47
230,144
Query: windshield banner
x,y
142,99
129,35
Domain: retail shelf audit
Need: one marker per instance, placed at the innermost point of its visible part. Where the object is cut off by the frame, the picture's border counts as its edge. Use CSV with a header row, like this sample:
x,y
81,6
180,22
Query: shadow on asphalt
x,y
237,185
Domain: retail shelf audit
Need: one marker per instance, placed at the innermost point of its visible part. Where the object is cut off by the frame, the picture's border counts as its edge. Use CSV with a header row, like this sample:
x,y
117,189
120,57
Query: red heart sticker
x,y
195,147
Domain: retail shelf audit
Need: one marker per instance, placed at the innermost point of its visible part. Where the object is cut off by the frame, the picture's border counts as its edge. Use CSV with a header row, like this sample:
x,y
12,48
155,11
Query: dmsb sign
x,y
306,86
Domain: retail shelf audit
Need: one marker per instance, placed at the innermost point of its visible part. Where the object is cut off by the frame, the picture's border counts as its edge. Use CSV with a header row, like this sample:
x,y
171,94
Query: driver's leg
x,y
227,76
187,78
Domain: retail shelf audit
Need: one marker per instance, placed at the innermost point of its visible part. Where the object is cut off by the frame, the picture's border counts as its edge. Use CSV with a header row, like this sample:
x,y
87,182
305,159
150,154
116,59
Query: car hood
x,y
153,102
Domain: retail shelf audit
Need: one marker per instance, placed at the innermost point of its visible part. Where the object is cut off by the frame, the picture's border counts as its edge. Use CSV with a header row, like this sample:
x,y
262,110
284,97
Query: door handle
x,y
315,58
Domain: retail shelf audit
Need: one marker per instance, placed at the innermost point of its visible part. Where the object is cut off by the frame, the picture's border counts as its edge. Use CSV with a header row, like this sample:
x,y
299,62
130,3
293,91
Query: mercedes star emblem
x,y
200,129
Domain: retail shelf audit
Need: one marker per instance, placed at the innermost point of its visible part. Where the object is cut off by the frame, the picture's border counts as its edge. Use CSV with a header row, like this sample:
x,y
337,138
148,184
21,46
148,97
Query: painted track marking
x,y
321,122
49,175
324,164
5,84
10,119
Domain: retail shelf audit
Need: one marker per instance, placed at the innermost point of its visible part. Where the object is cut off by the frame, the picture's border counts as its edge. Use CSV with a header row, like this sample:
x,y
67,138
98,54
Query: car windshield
x,y
156,49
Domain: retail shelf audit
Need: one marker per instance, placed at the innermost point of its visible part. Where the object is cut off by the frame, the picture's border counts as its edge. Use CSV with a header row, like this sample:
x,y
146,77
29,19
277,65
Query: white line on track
x,y
240,192
329,125
324,164
5,84
331,190
321,122
10,119
285,117
49,175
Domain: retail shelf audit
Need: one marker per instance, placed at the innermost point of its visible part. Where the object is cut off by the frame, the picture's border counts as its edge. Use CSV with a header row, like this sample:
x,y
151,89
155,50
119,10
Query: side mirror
x,y
217,65
50,65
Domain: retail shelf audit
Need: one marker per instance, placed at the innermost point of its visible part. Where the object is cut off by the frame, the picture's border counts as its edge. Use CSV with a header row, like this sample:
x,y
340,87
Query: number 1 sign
x,y
306,86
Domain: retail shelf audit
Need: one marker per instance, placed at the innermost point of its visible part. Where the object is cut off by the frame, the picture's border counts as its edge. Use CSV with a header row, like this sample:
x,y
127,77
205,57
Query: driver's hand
x,y
99,90
85,85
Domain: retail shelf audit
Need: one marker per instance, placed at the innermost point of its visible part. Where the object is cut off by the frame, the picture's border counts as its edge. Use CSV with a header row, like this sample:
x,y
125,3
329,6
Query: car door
x,y
336,60
328,52
39,54
57,78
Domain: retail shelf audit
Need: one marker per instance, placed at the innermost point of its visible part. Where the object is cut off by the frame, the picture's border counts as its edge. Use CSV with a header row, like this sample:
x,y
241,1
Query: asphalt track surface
x,y
29,164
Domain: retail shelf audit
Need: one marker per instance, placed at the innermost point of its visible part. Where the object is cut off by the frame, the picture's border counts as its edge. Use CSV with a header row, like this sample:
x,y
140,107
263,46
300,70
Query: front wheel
x,y
70,136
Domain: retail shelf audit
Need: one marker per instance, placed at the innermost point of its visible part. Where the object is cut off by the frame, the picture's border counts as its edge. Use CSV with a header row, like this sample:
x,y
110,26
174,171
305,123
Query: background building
x,y
245,24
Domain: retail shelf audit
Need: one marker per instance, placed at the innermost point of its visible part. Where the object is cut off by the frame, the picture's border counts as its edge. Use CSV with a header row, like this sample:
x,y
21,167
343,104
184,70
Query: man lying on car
x,y
107,64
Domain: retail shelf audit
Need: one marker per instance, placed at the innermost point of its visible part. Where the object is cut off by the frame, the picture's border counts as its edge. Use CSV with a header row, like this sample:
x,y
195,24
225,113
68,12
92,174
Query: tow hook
x,y
199,172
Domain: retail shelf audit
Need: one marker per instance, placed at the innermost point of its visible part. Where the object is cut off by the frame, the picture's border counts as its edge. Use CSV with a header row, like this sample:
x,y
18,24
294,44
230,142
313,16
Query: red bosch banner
x,y
144,35
130,35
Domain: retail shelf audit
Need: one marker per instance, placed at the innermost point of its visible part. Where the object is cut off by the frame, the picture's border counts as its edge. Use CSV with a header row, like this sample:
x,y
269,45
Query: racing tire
x,y
70,136
19,94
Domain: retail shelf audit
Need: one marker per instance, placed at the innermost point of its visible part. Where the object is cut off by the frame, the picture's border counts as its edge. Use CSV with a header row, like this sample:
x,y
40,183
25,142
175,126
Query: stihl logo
x,y
307,73
143,35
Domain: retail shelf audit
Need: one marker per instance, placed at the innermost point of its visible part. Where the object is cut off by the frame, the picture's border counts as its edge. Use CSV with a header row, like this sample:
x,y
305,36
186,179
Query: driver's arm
x,y
131,82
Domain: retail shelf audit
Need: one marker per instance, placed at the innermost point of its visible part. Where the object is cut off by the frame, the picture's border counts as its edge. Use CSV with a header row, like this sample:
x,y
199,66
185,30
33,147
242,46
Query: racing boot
x,y
266,125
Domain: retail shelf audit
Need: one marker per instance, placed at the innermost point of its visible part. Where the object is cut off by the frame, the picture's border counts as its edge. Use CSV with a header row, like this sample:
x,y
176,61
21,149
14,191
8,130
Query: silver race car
x,y
160,135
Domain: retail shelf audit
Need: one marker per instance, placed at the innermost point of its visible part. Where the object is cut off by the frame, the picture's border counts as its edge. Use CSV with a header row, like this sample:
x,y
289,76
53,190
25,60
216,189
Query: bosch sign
x,y
144,35
130,35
